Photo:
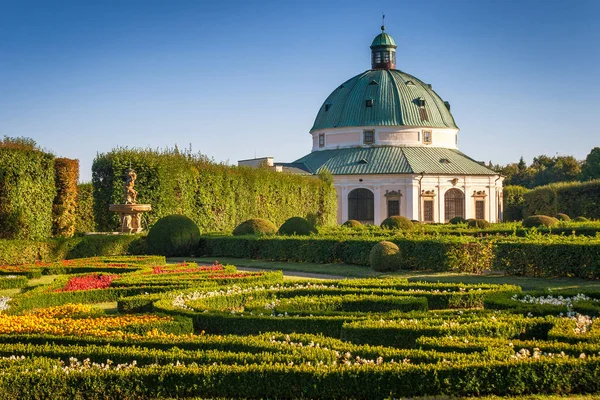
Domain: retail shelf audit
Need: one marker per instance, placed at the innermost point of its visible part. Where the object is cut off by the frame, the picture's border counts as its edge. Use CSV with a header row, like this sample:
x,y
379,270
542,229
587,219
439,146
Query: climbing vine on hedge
x,y
64,209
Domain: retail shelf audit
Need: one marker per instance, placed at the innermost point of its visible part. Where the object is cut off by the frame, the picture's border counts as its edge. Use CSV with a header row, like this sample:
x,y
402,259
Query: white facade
x,y
338,138
413,191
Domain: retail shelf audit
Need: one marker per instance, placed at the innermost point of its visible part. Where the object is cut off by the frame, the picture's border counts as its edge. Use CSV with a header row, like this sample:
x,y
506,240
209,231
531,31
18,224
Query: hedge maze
x,y
187,330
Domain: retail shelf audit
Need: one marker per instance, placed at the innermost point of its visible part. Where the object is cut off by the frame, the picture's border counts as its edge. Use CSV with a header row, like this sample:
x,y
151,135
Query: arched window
x,y
454,204
361,205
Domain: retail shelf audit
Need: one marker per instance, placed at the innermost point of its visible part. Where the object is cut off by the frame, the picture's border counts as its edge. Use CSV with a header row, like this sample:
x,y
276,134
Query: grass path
x,y
340,270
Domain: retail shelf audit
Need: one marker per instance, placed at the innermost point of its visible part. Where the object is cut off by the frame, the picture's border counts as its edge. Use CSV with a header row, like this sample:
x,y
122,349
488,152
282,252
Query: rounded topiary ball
x,y
255,226
562,217
385,257
396,222
539,220
457,220
174,235
478,223
580,219
297,226
352,223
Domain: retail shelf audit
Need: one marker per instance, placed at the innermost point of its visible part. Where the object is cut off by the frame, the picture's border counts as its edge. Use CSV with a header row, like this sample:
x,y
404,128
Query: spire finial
x,y
382,22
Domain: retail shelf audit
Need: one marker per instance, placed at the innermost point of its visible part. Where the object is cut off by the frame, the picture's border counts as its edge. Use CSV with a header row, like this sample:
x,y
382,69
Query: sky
x,y
239,79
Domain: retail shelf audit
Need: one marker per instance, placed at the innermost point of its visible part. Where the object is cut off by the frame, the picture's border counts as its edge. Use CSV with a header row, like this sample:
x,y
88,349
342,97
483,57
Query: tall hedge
x,y
216,197
574,198
514,198
64,210
26,190
85,221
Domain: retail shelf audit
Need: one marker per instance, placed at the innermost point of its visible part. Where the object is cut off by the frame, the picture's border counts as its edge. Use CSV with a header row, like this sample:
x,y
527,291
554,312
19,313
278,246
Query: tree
x,y
591,165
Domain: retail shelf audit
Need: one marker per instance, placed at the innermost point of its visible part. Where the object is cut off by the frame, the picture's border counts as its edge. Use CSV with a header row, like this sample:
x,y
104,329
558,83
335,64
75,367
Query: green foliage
x,y
570,198
352,223
457,220
591,166
384,257
478,223
552,257
562,217
255,226
514,200
174,235
26,190
539,220
397,222
297,226
64,209
13,281
542,171
217,197
84,219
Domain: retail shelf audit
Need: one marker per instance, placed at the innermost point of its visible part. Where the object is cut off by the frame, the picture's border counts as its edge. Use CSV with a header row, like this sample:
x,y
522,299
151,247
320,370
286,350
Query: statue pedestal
x,y
130,215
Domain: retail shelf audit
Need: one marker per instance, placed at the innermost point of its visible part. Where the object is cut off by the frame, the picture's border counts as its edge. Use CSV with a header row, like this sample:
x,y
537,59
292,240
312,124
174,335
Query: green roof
x,y
397,100
391,160
383,39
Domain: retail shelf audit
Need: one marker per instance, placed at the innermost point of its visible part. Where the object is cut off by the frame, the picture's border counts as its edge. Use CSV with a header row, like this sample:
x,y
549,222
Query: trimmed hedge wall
x,y
14,252
418,253
84,219
217,197
513,198
574,199
64,210
26,190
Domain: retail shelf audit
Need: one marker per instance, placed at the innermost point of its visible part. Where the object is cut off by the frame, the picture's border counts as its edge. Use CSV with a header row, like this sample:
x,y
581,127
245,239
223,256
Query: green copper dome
x,y
383,39
384,97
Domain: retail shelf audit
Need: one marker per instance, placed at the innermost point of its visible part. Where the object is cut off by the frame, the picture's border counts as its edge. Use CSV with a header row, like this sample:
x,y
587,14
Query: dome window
x,y
410,83
369,137
321,140
420,102
369,103
426,137
444,161
447,104
373,82
327,106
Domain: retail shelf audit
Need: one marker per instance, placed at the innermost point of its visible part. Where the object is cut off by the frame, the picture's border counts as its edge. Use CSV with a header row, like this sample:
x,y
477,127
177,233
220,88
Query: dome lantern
x,y
383,51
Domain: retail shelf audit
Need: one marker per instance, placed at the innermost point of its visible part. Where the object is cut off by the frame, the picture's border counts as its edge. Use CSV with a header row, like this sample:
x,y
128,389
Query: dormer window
x,y
369,137
327,106
369,103
321,140
426,137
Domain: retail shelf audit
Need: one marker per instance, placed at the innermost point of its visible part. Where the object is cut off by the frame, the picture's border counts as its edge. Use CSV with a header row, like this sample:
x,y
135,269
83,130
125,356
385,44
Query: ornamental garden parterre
x,y
189,330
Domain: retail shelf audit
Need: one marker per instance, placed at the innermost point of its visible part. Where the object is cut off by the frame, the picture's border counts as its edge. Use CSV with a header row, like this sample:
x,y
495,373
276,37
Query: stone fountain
x,y
130,213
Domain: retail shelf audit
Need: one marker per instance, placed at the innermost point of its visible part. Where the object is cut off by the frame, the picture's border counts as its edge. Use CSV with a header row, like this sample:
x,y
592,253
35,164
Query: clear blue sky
x,y
239,78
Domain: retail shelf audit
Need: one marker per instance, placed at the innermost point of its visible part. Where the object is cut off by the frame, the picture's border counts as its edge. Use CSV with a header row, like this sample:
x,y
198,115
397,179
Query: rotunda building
x,y
391,143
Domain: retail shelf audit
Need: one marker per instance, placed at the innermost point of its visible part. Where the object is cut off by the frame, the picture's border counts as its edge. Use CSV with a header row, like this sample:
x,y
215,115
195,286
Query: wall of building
x,y
411,188
385,136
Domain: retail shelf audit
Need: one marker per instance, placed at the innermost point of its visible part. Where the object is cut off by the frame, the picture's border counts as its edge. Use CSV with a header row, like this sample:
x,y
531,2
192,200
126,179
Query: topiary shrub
x,y
255,226
297,226
352,223
457,220
478,223
562,217
581,219
539,220
385,257
174,235
396,222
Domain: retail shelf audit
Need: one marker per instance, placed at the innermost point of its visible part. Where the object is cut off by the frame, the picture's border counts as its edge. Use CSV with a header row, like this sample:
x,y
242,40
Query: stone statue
x,y
130,213
130,192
